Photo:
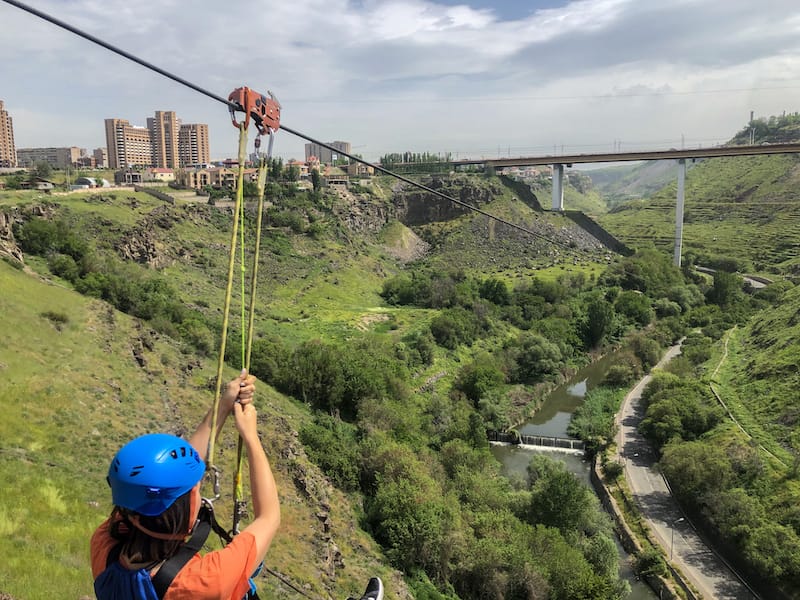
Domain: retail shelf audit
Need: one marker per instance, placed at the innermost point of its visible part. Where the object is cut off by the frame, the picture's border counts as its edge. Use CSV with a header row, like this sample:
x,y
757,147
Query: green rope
x,y
238,490
228,295
240,190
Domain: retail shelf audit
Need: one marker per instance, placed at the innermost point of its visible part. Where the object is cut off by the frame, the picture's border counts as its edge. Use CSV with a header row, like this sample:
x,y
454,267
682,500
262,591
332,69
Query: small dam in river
x,y
540,441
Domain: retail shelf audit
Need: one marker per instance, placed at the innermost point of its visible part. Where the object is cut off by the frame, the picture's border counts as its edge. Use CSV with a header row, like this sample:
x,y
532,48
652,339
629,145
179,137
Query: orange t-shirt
x,y
218,575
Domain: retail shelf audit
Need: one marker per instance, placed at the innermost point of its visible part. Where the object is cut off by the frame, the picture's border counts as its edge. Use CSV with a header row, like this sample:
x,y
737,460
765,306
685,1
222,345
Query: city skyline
x,y
473,77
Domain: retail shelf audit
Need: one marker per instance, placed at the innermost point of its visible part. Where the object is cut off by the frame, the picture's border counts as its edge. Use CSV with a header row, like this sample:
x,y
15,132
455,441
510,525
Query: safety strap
x,y
169,570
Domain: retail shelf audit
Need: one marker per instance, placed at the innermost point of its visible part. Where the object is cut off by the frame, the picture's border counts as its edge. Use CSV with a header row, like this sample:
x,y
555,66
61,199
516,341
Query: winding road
x,y
706,572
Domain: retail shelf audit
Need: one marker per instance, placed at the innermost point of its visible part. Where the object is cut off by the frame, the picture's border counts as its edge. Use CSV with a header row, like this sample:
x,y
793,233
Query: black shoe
x,y
374,589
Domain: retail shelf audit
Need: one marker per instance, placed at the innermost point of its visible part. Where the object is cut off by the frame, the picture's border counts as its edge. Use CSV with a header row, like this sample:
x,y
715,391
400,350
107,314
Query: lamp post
x,y
672,537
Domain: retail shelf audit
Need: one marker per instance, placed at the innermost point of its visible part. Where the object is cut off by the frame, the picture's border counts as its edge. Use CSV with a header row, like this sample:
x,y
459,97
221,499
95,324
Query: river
x,y
552,419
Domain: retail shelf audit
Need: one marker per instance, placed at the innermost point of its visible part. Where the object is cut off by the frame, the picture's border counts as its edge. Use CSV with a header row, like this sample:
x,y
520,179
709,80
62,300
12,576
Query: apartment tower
x,y
128,145
165,143
164,129
193,145
8,152
324,154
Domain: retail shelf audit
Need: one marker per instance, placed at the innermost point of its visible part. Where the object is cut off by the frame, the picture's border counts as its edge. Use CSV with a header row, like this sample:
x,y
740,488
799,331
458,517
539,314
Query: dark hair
x,y
137,546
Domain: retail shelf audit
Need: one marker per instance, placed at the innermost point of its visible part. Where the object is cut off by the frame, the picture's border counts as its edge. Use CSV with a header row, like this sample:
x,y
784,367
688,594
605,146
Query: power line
x,y
489,99
87,36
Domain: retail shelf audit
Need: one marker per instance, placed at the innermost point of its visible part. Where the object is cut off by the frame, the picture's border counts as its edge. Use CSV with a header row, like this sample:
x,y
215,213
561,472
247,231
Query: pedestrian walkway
x,y
687,552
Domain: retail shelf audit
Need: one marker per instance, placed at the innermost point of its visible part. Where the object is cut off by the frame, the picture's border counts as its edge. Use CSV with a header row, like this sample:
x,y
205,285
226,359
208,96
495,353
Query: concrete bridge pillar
x,y
558,187
679,211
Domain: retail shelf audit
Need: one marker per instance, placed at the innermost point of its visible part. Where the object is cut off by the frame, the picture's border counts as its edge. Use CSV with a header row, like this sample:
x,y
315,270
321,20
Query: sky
x,y
475,78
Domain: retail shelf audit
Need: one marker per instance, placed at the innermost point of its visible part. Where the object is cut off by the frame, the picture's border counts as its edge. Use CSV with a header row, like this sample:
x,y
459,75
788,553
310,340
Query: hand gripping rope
x,y
265,113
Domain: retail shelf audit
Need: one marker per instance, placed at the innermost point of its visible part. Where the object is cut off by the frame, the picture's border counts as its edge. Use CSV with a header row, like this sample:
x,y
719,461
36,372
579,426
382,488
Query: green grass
x,y
743,407
745,207
71,397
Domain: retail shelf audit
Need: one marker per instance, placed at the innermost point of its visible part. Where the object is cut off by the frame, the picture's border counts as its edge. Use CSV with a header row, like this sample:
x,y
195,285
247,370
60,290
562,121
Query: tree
x,y
43,170
598,322
727,289
537,359
495,291
316,179
477,378
635,306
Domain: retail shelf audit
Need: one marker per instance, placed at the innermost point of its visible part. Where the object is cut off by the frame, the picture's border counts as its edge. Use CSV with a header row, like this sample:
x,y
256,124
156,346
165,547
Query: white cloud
x,y
393,75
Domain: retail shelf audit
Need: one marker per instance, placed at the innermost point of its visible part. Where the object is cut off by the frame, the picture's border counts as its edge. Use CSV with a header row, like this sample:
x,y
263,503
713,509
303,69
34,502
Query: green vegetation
x,y
383,376
738,482
741,213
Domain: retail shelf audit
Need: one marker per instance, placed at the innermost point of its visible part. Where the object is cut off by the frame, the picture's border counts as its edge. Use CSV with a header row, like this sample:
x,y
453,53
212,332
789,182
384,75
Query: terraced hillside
x,y
745,208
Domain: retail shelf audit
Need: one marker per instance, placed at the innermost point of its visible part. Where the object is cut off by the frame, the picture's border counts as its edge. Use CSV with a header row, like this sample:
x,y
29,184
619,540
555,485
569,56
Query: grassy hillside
x,y
744,208
764,374
80,378
73,392
632,181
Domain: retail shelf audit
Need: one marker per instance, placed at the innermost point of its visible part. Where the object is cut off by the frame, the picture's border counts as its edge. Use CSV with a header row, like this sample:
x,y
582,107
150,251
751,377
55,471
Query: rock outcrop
x,y
8,245
142,245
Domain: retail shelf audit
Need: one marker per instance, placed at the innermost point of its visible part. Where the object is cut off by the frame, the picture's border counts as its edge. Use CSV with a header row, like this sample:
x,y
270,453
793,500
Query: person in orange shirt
x,y
155,486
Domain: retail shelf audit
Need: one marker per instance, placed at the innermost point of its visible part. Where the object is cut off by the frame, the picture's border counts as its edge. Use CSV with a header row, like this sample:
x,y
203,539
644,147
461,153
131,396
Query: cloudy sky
x,y
471,77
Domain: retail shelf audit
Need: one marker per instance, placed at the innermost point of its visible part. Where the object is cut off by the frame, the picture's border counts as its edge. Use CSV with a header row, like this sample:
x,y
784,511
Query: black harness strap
x,y
169,570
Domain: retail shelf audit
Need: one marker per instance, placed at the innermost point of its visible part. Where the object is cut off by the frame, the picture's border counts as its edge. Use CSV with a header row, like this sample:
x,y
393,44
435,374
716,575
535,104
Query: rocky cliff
x,y
8,245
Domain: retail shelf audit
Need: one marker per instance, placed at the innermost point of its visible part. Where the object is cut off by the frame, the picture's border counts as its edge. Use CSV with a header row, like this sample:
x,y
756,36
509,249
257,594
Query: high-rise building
x,y
193,144
8,152
128,145
326,155
164,129
164,143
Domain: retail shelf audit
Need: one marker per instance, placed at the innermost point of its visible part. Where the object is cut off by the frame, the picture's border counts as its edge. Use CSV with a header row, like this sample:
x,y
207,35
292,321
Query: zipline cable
x,y
205,92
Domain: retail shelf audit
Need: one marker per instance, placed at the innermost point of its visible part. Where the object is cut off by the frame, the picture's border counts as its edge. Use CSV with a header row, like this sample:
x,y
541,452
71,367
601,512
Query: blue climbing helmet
x,y
149,473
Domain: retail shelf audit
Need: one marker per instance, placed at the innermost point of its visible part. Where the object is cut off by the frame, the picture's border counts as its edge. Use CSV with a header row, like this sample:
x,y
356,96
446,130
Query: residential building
x,y
193,145
159,174
128,145
59,158
302,168
218,177
164,143
326,155
164,129
355,169
8,153
87,162
100,157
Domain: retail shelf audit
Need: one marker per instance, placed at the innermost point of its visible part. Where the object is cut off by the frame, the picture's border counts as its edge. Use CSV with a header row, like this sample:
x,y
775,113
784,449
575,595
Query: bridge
x,y
558,162
604,157
540,441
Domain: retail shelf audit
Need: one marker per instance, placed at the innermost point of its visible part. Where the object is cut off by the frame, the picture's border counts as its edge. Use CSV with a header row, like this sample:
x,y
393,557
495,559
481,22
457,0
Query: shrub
x,y
635,307
612,470
650,562
58,319
453,327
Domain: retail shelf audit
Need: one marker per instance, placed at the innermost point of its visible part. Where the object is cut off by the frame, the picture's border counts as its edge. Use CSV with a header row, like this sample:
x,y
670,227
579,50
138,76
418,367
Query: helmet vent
x,y
183,450
136,470
173,454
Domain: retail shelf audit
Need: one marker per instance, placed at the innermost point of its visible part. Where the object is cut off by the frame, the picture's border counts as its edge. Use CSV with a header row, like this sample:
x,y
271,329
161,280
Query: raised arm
x,y
240,389
266,506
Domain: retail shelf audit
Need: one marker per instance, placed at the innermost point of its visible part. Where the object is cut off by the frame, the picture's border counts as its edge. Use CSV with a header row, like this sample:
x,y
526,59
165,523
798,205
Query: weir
x,y
539,441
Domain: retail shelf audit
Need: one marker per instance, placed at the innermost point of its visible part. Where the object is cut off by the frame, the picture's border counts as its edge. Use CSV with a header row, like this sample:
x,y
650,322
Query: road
x,y
707,573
